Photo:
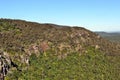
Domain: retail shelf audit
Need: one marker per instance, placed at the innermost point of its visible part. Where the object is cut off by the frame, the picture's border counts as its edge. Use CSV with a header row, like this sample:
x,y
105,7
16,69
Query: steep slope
x,y
19,34
20,41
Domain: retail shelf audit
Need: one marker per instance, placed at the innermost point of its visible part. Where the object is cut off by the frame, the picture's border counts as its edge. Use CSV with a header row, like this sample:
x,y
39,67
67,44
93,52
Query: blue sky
x,y
96,15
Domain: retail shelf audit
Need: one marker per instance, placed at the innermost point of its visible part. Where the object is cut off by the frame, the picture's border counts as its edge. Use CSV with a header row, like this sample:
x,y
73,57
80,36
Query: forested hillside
x,y
34,51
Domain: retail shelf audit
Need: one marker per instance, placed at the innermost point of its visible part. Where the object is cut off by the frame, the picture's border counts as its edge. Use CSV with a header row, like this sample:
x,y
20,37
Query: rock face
x,y
20,39
5,64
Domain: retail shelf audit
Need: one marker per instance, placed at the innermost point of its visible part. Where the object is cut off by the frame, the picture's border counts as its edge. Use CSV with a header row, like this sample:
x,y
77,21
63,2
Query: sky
x,y
95,15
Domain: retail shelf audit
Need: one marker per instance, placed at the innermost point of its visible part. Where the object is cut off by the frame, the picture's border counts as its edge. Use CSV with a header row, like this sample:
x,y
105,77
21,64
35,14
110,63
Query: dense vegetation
x,y
92,65
51,52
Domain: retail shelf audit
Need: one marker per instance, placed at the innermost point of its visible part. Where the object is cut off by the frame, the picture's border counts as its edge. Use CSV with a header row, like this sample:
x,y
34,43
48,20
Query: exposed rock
x,y
97,47
27,38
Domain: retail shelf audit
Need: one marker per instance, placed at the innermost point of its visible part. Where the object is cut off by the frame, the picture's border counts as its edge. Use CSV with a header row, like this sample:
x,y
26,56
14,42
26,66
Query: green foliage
x,y
17,38
92,65
5,26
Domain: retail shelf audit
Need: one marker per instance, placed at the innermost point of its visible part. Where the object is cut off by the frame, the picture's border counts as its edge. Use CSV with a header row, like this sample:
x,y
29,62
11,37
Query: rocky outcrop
x,y
20,39
6,63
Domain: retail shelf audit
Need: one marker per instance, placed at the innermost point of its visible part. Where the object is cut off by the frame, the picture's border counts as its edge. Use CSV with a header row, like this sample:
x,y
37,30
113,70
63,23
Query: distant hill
x,y
113,36
34,51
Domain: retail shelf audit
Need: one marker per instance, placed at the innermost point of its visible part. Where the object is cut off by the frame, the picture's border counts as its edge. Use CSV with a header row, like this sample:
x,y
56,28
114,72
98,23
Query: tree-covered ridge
x,y
36,51
22,34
